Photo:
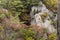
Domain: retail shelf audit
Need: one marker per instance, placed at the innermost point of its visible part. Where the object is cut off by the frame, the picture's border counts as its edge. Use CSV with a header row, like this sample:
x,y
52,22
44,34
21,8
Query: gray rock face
x,y
37,19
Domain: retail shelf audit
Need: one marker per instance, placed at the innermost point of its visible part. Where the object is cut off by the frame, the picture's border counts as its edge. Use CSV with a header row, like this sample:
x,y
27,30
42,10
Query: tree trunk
x,y
58,21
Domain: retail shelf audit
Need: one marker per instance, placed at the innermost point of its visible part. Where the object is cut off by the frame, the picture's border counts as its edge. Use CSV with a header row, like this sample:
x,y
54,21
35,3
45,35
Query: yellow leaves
x,y
52,4
53,36
44,15
56,3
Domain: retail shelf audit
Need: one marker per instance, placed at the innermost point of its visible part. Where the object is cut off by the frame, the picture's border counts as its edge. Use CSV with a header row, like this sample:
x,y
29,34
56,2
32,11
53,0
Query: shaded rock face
x,y
25,18
42,17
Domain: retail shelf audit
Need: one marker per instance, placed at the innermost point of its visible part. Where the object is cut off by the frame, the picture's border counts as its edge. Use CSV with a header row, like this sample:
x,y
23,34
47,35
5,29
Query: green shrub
x,y
2,15
42,38
29,38
28,34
